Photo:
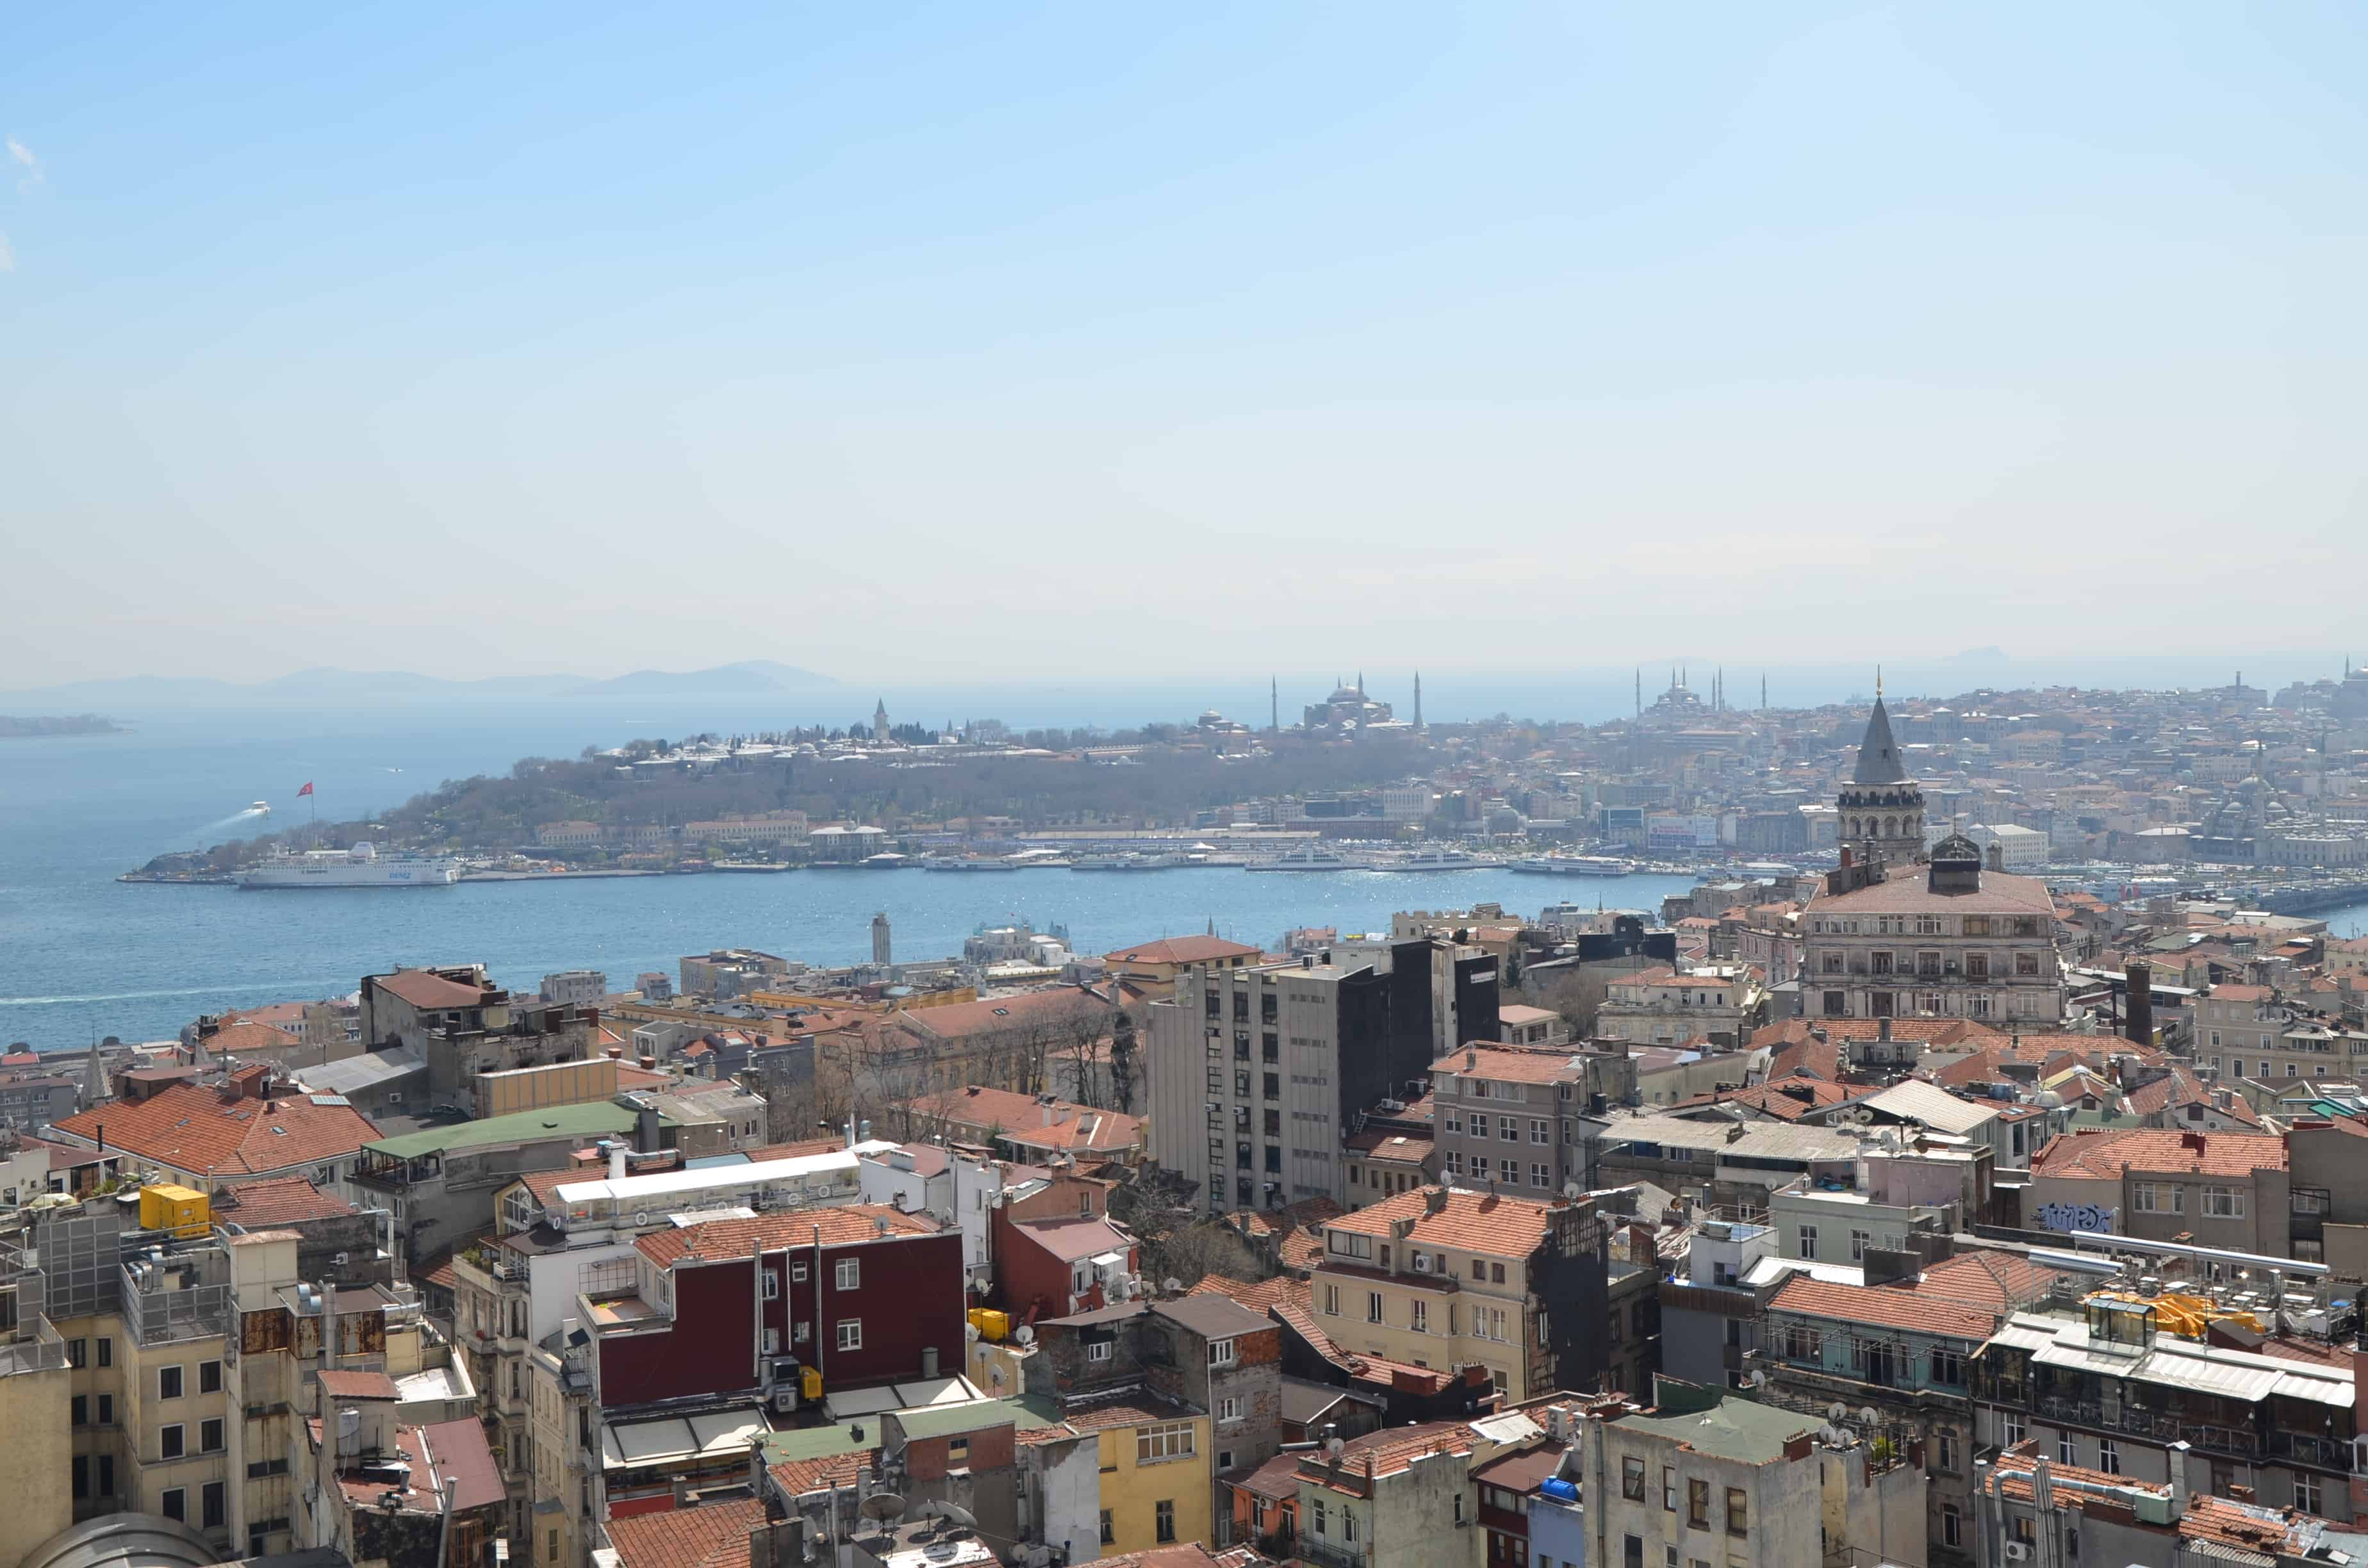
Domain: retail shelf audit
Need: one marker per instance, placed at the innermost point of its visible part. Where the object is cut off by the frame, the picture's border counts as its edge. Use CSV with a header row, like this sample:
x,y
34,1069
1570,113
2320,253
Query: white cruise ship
x,y
1432,860
1574,865
360,866
1307,858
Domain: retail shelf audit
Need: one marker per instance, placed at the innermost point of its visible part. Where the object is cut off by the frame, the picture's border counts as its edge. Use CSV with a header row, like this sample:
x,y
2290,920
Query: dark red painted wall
x,y
709,1351
908,1295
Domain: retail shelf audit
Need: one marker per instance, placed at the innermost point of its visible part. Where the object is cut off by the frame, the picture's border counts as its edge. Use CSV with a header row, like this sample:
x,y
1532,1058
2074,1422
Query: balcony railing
x,y
36,1349
2326,1453
1327,1552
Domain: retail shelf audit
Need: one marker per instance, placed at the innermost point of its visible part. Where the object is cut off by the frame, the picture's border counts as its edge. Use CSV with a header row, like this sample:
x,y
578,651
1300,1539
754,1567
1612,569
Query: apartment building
x,y
1446,1279
1953,939
1517,1117
2227,1190
1719,1003
2249,1031
2111,1387
1204,1353
560,1232
1256,1074
185,1351
464,1025
1396,1498
1706,1478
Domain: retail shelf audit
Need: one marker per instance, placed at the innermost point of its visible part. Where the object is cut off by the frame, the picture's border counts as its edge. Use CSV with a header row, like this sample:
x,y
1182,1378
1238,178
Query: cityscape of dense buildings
x,y
1975,1155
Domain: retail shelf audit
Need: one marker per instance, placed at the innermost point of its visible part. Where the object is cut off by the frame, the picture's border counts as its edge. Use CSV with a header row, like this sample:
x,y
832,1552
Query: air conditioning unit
x,y
2016,1551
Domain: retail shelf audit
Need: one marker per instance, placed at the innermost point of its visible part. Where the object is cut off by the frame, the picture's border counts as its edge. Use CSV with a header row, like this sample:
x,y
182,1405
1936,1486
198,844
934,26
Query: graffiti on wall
x,y
2076,1217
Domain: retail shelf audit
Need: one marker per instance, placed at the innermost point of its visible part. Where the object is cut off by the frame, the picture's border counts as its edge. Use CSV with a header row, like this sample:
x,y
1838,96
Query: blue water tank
x,y
1561,1491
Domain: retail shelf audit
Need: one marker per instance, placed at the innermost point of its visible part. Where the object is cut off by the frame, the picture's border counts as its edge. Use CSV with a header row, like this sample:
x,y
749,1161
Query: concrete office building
x,y
1255,1074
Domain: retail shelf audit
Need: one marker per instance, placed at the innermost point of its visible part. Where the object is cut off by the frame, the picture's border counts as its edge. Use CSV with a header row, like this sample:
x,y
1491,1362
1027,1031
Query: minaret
x,y
1274,705
1763,694
1640,691
93,1078
880,720
1418,701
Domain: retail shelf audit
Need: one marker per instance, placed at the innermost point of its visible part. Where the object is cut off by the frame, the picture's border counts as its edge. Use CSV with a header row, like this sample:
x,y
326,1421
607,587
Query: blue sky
x,y
1124,339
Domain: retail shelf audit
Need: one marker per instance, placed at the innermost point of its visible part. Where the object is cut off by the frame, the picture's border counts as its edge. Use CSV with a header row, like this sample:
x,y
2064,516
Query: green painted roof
x,y
1737,1429
953,1420
588,1119
821,1442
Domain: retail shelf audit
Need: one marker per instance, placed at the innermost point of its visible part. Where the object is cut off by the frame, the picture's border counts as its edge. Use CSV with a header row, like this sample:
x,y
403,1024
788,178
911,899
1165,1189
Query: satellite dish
x,y
969,1332
951,1512
1758,1377
883,1507
1171,1285
1866,1414
1335,1448
1830,1435
1837,1410
1024,1335
1573,1190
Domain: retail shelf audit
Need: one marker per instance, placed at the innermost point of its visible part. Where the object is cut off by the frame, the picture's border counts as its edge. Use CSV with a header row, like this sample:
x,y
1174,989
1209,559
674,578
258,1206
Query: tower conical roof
x,y
1878,755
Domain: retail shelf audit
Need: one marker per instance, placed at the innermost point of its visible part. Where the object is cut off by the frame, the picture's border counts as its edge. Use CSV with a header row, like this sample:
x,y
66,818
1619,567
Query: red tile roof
x,y
800,1476
995,1015
1258,1295
276,1200
193,1128
246,1035
2104,1155
720,1241
714,1535
358,1385
1181,949
1512,1064
1469,1221
1884,1306
429,992
458,1450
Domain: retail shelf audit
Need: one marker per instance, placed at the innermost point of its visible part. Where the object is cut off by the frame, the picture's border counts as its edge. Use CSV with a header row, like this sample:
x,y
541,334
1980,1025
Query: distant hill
x,y
70,724
336,687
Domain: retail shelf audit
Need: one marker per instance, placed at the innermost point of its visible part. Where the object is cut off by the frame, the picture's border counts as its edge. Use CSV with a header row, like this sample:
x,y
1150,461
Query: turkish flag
x,y
305,790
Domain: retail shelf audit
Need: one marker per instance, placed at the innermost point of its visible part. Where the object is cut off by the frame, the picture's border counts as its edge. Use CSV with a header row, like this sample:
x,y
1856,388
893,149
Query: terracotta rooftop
x,y
995,1015
358,1385
276,1200
2104,1155
193,1128
1181,949
430,992
1884,1306
721,1241
1510,1064
1909,894
714,1535
1469,1221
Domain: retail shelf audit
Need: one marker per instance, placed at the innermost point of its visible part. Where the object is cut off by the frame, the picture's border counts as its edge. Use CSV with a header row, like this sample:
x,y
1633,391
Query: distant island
x,y
72,724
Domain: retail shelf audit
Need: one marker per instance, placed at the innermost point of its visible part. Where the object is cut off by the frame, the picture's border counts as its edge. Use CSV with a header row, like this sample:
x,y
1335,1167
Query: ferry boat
x,y
359,866
968,865
1133,861
1573,865
1432,860
1307,858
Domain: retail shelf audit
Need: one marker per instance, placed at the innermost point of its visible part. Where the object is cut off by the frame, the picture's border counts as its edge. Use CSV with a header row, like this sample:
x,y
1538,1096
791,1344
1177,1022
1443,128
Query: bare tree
x,y
1577,997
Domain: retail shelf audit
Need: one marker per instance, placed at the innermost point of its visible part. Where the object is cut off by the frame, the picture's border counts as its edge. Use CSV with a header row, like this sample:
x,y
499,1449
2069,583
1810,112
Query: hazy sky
x,y
992,339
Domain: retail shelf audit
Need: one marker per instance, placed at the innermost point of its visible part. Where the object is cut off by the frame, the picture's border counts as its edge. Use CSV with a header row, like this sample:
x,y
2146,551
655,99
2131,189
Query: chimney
x,y
2180,1494
2139,1013
615,1161
1470,1059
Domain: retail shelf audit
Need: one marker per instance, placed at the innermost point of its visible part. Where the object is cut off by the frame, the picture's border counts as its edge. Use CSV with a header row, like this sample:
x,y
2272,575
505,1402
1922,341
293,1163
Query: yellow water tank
x,y
991,1324
810,1379
183,1210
